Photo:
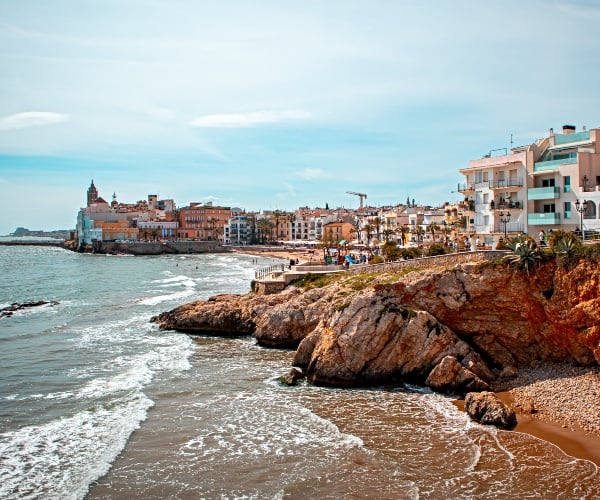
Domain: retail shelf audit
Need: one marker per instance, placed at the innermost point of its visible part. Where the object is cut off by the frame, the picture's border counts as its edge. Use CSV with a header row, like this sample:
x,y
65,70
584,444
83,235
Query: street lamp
x,y
504,219
581,207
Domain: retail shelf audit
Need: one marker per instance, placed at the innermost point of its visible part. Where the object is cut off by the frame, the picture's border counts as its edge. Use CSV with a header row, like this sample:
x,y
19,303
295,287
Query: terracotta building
x,y
203,221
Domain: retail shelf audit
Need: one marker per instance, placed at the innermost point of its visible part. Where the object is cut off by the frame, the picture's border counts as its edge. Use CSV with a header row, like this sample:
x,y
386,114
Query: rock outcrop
x,y
8,311
486,408
456,330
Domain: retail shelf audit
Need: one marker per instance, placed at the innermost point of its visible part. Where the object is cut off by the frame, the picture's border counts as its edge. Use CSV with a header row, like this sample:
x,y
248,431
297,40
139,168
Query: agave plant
x,y
566,249
525,254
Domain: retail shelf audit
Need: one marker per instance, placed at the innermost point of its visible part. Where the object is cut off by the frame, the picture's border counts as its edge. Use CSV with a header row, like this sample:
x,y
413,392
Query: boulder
x,y
486,408
292,377
450,376
224,315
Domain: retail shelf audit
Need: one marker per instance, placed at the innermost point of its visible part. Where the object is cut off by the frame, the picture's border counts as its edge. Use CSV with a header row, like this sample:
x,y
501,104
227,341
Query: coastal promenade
x,y
274,279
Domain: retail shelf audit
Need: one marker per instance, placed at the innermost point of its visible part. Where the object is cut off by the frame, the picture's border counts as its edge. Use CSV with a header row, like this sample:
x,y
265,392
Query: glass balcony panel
x,y
544,193
543,166
568,138
543,218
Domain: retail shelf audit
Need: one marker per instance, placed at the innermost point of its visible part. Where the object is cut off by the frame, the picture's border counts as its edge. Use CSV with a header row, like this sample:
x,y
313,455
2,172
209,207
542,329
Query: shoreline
x,y
302,254
557,403
537,395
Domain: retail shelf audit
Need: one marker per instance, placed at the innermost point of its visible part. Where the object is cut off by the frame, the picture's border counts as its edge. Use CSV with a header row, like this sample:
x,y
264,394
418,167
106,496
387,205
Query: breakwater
x,y
157,248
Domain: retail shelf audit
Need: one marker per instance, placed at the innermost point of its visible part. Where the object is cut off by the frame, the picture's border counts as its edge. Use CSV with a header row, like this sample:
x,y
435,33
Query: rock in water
x,y
292,377
486,408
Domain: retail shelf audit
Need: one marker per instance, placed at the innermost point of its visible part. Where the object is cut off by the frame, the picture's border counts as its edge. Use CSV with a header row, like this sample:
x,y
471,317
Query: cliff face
x,y
455,330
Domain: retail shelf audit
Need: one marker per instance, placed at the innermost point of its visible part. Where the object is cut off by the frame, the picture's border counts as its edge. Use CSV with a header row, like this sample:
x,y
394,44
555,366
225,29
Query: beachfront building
x,y
338,232
103,221
203,221
535,188
120,230
157,229
238,231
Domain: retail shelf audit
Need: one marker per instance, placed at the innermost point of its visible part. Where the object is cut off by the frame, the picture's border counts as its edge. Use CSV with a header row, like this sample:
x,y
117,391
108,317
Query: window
x,y
549,208
548,183
567,209
567,183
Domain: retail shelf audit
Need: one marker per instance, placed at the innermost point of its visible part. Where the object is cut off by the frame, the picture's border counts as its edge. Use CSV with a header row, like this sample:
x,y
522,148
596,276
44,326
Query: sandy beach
x,y
302,254
559,403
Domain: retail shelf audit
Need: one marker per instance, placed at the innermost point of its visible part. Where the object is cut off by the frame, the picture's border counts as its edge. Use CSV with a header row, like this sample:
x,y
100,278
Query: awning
x,y
343,242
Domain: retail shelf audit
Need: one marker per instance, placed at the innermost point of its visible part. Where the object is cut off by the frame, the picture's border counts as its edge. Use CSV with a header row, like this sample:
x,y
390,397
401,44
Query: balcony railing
x,y
506,183
463,187
543,166
506,205
568,138
543,218
544,193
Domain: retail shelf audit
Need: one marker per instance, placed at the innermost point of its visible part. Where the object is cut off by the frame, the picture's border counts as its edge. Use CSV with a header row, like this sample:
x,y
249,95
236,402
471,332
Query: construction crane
x,y
362,196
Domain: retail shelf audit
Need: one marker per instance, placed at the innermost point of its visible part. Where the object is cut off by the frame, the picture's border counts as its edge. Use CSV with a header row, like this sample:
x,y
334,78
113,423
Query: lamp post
x,y
505,219
581,207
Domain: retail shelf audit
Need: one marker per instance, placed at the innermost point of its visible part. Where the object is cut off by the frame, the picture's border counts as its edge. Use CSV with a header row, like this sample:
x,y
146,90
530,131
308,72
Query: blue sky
x,y
277,104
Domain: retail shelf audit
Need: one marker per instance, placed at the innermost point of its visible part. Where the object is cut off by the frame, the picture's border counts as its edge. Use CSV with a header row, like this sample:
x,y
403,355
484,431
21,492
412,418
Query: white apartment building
x,y
537,187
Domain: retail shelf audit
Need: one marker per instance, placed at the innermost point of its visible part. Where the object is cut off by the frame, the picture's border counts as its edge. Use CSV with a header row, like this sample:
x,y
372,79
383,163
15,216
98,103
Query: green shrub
x,y
436,249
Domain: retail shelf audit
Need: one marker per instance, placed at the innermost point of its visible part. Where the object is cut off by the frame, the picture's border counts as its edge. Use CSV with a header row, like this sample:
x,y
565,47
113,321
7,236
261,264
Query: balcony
x,y
543,218
568,138
506,183
544,193
505,205
465,188
550,165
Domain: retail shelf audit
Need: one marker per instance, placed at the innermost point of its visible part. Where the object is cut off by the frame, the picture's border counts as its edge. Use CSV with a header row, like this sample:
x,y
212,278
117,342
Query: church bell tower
x,y
92,194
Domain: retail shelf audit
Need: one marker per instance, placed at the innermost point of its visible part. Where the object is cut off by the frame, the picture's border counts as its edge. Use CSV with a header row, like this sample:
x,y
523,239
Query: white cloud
x,y
310,174
31,119
236,120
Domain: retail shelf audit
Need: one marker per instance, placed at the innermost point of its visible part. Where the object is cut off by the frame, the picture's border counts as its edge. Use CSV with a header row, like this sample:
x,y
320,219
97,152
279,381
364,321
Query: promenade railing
x,y
449,259
267,271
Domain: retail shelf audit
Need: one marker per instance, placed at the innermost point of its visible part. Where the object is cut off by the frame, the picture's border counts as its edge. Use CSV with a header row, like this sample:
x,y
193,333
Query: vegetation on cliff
x,y
455,329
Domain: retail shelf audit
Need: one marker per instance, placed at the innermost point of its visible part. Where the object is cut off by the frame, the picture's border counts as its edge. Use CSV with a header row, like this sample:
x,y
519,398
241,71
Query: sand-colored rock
x,y
486,408
489,319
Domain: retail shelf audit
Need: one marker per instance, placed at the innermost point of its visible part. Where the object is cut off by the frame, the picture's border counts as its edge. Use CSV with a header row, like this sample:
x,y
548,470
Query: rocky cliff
x,y
455,330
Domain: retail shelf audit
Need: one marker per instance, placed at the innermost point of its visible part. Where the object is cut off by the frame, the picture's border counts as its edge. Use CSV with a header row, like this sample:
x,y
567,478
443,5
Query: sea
x,y
96,402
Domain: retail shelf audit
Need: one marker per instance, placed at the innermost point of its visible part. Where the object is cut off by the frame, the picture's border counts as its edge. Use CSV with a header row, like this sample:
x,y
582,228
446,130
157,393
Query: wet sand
x,y
565,399
559,403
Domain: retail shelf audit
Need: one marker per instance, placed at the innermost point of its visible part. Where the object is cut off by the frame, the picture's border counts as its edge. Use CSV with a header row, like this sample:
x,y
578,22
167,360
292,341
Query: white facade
x,y
535,187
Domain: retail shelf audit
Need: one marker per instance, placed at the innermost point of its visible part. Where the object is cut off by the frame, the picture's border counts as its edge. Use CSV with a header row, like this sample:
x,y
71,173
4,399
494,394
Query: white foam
x,y
61,458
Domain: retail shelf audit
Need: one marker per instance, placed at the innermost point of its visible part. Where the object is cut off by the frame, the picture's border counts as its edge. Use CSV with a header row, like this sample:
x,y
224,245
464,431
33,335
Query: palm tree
x,y
403,230
368,229
432,227
387,233
377,223
419,232
356,229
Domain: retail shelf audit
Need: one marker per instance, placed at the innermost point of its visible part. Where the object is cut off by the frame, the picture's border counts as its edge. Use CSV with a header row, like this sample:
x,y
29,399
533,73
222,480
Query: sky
x,y
269,105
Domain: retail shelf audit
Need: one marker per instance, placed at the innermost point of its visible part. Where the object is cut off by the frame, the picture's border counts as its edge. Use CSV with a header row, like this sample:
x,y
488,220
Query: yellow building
x,y
119,230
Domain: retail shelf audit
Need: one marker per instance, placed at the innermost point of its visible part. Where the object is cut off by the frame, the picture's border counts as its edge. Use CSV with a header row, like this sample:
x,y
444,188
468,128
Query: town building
x,y
548,185
103,221
203,221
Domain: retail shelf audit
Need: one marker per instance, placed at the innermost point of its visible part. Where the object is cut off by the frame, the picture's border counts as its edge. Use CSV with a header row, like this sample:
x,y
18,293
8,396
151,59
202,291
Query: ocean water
x,y
95,402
